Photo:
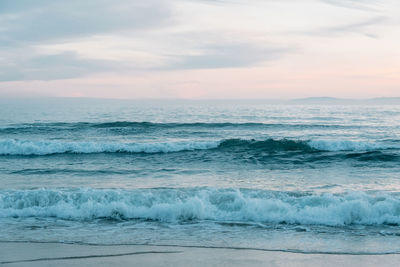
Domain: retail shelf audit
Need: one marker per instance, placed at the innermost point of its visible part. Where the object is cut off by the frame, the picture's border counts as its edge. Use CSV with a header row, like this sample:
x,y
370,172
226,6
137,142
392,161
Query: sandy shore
x,y
55,254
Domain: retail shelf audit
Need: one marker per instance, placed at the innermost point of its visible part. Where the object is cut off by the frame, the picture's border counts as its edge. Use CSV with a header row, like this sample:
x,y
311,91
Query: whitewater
x,y
220,174
220,205
27,147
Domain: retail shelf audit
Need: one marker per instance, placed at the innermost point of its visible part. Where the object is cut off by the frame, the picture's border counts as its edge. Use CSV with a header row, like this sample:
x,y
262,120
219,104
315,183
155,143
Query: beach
x,y
51,254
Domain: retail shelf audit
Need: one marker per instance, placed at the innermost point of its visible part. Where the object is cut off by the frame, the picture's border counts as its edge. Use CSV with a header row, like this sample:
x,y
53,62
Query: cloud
x,y
26,25
50,39
359,27
365,5
228,55
363,27
27,21
51,67
33,65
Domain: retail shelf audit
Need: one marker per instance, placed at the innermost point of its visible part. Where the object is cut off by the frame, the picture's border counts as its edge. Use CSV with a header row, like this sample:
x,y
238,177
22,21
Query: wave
x,y
28,147
24,147
121,124
307,145
350,145
189,204
268,145
62,126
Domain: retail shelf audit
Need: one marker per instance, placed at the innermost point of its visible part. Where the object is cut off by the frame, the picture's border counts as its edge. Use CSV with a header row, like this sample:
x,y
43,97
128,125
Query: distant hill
x,y
385,100
333,100
317,99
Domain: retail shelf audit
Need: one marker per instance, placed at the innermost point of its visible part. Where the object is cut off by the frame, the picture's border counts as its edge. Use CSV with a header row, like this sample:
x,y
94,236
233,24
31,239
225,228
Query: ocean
x,y
252,175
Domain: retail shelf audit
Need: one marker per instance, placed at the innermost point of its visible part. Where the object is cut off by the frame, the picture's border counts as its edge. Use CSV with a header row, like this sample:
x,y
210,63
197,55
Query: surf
x,y
193,204
49,147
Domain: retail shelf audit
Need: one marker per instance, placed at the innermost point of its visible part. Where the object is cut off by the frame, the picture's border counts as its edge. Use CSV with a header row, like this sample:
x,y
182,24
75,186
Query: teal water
x,y
287,177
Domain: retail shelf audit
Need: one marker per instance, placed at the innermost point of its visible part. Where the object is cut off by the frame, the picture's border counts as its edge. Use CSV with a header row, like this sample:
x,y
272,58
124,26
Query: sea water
x,y
303,178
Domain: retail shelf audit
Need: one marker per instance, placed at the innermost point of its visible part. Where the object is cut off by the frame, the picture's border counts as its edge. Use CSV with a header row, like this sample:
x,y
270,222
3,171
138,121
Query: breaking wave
x,y
23,147
188,204
133,124
28,147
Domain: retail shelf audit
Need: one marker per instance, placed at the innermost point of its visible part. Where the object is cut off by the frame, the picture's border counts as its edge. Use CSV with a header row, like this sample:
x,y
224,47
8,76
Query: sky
x,y
200,49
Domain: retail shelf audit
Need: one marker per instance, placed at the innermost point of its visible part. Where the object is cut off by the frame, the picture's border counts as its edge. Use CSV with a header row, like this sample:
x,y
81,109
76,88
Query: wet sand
x,y
56,254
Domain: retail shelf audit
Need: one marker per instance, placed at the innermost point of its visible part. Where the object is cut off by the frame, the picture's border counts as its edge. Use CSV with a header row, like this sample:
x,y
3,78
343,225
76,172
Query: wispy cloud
x,y
37,21
364,27
366,5
229,55
51,67
153,44
26,24
64,26
361,27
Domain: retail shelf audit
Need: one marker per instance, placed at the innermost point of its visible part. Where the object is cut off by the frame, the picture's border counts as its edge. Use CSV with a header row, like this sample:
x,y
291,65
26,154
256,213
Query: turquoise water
x,y
310,178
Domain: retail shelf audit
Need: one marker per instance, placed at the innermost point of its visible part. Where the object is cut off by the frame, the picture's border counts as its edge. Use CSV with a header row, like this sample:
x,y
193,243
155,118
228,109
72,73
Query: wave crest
x,y
22,147
28,147
267,145
221,205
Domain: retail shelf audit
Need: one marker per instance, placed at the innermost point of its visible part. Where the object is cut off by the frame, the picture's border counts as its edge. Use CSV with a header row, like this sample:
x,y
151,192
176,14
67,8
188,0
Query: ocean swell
x,y
188,204
25,147
47,147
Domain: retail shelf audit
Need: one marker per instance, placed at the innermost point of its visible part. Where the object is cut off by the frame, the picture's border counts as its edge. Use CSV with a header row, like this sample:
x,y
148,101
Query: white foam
x,y
211,204
348,145
29,147
21,147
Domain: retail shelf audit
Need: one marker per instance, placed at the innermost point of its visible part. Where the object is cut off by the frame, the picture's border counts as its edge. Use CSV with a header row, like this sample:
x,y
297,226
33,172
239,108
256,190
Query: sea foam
x,y
349,145
25,147
47,147
188,204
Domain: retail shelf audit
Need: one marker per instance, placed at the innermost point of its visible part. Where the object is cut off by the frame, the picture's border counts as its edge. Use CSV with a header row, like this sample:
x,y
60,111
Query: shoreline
x,y
66,254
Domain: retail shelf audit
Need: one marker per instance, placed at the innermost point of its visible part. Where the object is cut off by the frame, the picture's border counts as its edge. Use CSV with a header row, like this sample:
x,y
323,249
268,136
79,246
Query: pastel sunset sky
x,y
200,48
